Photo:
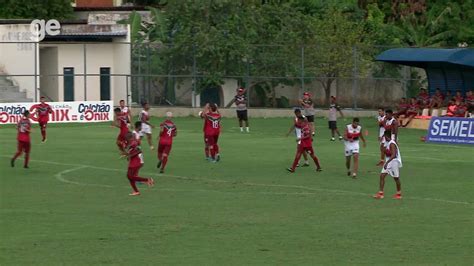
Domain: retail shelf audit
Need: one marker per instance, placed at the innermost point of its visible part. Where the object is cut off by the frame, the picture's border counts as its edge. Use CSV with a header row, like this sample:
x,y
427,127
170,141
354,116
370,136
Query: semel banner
x,y
63,112
452,130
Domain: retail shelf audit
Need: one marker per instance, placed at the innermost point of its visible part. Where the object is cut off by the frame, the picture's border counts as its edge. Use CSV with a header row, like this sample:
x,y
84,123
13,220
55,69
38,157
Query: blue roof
x,y
425,57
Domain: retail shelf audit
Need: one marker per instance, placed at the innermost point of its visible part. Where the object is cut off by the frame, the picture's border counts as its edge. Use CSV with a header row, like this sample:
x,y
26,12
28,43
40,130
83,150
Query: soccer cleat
x,y
313,133
379,195
354,175
134,194
319,169
12,163
150,182
348,173
290,170
298,165
340,137
397,196
26,166
218,157
306,164
159,164
162,171
44,140
333,139
152,148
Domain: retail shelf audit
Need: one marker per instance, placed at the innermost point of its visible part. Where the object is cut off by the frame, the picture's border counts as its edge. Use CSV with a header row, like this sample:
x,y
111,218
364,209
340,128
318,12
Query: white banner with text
x,y
63,112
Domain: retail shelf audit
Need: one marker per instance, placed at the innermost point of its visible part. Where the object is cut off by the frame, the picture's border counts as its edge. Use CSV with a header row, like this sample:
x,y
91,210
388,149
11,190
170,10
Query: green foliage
x,y
36,9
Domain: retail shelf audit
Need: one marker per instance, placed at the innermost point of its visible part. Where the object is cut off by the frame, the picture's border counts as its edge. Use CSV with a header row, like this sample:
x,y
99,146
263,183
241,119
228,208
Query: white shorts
x,y
393,169
146,129
351,148
381,131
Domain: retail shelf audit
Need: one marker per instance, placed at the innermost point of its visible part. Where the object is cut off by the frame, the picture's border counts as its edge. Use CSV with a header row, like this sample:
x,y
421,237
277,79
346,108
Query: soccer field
x,y
72,206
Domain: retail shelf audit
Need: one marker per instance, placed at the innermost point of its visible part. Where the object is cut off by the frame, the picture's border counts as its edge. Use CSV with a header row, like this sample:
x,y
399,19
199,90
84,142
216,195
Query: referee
x,y
240,101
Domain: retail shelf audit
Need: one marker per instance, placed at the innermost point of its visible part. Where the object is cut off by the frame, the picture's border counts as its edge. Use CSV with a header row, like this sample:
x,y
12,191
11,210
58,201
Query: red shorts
x,y
133,171
24,146
211,140
163,148
308,150
43,123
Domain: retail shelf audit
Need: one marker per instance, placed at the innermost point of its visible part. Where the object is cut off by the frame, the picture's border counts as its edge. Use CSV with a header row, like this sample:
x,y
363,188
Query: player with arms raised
x,y
351,145
42,113
135,162
391,166
23,137
168,131
212,129
144,117
120,122
305,145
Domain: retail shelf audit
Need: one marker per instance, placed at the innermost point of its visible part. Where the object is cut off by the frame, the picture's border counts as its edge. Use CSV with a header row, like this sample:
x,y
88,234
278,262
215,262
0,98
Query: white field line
x,y
81,166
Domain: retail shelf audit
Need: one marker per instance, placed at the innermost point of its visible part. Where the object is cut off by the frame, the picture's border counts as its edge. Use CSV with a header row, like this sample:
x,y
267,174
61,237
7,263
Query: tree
x,y
340,42
36,9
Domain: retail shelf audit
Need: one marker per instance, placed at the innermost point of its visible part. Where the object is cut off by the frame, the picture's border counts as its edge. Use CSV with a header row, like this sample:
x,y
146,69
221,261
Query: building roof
x,y
446,69
426,57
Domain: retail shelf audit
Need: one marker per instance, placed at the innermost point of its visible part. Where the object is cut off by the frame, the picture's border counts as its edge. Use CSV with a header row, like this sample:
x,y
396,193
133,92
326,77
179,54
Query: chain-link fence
x,y
188,75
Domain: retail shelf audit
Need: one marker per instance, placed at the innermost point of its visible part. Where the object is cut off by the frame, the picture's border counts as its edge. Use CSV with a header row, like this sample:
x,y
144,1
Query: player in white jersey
x,y
144,117
136,132
392,165
125,111
390,123
380,122
351,145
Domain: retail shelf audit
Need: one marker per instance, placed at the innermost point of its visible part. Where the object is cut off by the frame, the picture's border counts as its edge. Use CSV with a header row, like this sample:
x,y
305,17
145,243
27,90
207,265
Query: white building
x,y
88,60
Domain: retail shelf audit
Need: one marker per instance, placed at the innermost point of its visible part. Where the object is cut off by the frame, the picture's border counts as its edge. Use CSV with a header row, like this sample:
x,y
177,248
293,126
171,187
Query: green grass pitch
x,y
72,206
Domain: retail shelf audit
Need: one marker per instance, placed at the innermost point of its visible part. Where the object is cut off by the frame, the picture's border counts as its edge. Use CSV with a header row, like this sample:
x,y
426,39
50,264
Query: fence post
x,y
36,71
354,78
302,70
85,71
193,94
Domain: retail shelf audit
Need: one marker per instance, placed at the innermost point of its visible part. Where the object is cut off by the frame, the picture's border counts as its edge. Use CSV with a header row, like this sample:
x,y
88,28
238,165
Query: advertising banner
x,y
63,112
453,130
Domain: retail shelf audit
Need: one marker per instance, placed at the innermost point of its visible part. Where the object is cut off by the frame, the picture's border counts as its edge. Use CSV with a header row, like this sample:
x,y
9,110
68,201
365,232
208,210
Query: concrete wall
x,y
121,88
49,66
253,112
113,55
18,58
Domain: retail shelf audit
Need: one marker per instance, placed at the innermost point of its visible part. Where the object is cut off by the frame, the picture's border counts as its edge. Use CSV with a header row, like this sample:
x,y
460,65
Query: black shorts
x,y
242,115
332,124
310,118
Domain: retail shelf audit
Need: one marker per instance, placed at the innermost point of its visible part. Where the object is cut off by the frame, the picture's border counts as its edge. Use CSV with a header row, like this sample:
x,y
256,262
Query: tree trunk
x,y
327,89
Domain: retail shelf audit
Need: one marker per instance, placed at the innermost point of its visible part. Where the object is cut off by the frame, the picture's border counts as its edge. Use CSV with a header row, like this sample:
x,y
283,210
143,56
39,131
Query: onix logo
x,y
39,28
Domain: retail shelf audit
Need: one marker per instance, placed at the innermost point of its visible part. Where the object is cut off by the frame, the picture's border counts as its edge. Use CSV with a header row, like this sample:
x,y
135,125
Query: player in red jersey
x,y
42,111
392,165
24,128
412,111
296,127
305,144
351,145
168,131
135,162
389,124
121,122
212,129
125,111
